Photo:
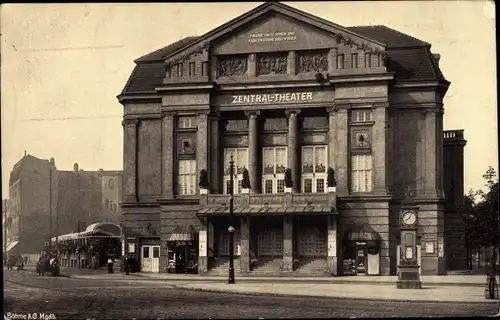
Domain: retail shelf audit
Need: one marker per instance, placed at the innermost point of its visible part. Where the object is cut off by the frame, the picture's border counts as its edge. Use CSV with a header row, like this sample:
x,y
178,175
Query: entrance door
x,y
361,263
271,243
155,260
180,259
146,259
312,244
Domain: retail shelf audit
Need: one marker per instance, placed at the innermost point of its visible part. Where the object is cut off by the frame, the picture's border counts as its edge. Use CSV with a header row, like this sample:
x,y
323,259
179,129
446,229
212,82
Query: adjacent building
x,y
38,209
276,89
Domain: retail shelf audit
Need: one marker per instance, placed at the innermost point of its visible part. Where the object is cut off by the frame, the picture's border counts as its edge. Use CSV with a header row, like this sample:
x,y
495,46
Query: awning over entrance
x,y
363,233
11,245
310,210
183,233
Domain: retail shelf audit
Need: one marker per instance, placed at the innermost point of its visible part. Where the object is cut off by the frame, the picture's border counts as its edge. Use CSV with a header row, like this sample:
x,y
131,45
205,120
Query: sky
x,y
64,64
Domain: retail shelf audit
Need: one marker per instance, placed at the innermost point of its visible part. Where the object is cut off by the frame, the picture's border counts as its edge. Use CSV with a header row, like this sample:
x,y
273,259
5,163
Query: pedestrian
x,y
110,265
127,265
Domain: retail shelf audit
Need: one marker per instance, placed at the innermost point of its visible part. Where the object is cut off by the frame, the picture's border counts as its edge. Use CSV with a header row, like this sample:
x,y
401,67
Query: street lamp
x,y
230,279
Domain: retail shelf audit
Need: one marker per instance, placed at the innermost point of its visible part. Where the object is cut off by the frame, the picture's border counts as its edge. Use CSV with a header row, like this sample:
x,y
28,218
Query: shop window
x,y
240,157
361,173
274,166
314,168
365,115
187,177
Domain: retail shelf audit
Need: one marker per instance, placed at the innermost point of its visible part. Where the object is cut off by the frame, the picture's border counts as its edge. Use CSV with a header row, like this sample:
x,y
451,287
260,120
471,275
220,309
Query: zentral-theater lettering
x,y
272,97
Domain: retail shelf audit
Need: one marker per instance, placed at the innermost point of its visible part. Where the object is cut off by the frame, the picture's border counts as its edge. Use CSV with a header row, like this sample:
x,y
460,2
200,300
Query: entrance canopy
x,y
363,233
95,230
183,233
262,211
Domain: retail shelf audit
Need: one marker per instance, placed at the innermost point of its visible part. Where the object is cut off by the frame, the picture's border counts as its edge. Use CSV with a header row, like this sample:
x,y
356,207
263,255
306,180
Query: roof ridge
x,y
405,34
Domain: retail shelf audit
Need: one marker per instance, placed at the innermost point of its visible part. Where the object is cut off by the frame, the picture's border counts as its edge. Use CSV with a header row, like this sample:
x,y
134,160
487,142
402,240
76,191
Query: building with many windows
x,y
354,114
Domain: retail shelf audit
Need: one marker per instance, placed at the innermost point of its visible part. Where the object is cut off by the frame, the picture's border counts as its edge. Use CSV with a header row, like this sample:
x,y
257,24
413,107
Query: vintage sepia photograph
x,y
249,160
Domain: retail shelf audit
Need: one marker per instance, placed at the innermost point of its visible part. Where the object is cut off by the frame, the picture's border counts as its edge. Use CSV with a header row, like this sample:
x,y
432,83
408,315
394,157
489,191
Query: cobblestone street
x,y
67,298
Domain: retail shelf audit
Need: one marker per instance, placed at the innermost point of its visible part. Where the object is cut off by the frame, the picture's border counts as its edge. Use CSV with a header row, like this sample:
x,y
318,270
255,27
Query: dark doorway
x,y
180,261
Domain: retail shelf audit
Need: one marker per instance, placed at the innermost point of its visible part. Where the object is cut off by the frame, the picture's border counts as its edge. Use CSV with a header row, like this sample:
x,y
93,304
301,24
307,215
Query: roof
x,y
410,58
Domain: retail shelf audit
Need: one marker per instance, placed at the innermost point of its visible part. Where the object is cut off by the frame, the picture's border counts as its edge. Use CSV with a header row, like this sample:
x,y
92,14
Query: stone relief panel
x,y
273,124
361,138
274,140
313,138
272,63
315,123
236,141
186,144
236,125
232,65
313,61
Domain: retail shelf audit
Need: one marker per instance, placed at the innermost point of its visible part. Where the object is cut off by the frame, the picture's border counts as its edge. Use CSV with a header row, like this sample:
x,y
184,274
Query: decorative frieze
x,y
313,61
232,66
263,200
274,63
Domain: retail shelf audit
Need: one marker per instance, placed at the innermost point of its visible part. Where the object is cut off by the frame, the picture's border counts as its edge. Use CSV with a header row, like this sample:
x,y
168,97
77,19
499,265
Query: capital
x,y
383,105
252,114
133,122
342,108
290,112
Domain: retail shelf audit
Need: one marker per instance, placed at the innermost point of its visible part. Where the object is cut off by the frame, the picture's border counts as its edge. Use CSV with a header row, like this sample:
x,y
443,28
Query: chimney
x,y
437,57
25,153
53,162
75,167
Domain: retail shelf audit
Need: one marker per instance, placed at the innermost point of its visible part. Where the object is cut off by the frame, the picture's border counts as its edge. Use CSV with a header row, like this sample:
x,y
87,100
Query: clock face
x,y
409,218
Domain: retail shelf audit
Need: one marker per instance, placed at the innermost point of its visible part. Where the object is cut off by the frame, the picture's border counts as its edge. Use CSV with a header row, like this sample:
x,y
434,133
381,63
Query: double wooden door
x,y
312,243
270,243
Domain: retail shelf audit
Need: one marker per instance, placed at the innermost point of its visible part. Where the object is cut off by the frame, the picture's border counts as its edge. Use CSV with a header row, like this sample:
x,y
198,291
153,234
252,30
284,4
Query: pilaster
x,y
245,244
342,150
287,243
130,160
332,136
380,148
203,250
431,153
253,150
168,150
202,141
293,147
333,238
214,156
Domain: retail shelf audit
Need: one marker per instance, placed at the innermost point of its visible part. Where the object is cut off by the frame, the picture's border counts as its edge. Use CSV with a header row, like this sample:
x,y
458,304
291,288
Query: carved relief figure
x,y
272,64
232,66
313,61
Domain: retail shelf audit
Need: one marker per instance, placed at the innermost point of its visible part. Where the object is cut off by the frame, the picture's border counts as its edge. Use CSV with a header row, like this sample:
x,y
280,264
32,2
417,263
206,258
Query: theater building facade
x,y
277,89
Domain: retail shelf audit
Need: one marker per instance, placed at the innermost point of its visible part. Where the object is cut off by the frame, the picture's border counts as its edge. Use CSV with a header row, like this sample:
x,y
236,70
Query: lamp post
x,y
230,279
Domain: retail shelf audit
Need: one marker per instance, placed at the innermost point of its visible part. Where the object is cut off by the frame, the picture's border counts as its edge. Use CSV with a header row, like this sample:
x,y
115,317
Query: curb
x,y
323,297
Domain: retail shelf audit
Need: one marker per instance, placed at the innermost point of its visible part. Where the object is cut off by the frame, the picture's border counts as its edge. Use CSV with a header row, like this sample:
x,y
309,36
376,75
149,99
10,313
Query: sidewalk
x,y
446,280
360,291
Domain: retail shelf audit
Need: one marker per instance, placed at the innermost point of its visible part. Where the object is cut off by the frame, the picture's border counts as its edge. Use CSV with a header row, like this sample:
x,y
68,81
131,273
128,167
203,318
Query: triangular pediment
x,y
271,26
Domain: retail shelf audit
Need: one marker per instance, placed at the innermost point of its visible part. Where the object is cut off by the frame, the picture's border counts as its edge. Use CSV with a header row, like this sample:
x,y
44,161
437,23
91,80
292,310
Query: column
x,y
379,147
202,142
431,154
253,150
293,146
214,156
130,160
342,150
167,145
287,243
245,244
332,258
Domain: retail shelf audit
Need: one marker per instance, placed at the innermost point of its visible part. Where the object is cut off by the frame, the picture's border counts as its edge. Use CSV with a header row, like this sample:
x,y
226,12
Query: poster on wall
x,y
429,247
203,243
440,247
332,243
123,248
409,253
131,248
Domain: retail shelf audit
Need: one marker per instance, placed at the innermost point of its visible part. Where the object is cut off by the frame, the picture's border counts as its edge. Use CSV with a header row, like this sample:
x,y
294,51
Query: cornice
x,y
368,77
149,97
186,86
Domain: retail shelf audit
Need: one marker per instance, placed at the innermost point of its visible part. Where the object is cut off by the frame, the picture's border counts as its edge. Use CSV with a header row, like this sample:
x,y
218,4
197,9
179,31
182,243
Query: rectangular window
x,y
191,69
240,158
368,60
180,70
156,252
361,115
204,69
354,60
187,177
186,122
274,165
340,61
361,173
145,252
314,168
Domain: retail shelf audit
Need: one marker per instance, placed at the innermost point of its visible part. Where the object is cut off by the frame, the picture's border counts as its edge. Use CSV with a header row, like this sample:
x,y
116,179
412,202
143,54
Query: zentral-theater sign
x,y
271,98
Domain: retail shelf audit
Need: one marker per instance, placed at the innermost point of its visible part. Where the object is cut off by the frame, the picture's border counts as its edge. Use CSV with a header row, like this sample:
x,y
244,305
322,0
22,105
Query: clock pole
x,y
408,274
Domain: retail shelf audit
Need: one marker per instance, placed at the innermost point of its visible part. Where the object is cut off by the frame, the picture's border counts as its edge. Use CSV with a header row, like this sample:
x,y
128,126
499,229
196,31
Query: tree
x,y
330,179
203,179
245,182
288,178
